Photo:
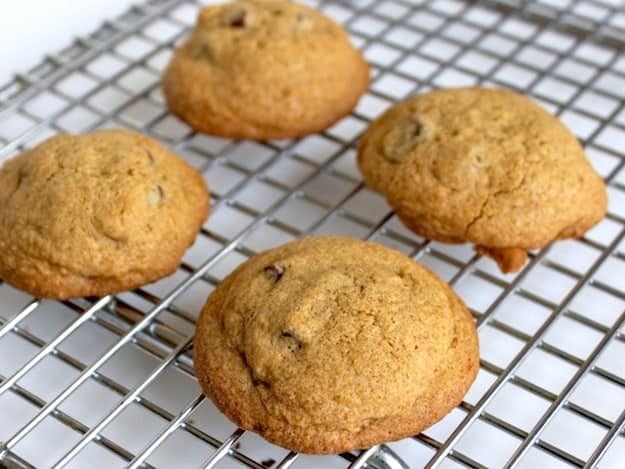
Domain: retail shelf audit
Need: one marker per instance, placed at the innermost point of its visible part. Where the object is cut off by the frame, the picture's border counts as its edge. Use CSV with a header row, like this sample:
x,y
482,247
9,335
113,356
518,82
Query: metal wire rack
x,y
109,382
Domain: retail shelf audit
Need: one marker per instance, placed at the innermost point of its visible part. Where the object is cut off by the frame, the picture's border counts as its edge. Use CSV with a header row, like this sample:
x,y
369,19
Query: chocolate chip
x,y
268,462
293,342
398,141
259,427
237,19
156,195
274,272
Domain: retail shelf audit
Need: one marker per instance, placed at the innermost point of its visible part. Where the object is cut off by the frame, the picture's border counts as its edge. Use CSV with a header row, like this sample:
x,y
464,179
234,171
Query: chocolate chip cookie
x,y
95,214
325,345
264,69
482,165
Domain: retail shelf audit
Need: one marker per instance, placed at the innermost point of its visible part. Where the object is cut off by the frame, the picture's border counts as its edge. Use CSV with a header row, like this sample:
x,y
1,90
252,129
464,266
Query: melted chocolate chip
x,y
268,462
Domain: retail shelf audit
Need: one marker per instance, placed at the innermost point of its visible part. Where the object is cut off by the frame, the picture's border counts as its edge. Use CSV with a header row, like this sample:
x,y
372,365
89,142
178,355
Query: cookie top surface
x,y
88,215
484,165
264,69
329,344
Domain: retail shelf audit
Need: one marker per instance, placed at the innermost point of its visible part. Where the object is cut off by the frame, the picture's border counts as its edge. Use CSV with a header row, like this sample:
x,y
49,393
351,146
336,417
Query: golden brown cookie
x,y
325,345
95,214
264,69
482,165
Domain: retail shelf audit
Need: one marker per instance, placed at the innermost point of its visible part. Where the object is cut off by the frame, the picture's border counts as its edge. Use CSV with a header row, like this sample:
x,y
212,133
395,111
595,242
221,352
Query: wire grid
x,y
109,382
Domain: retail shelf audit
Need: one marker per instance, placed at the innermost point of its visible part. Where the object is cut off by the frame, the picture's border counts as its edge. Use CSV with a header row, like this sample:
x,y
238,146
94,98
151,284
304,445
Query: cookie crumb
x,y
508,259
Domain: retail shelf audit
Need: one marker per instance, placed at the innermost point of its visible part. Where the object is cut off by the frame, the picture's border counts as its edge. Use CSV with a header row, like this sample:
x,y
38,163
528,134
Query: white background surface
x,y
31,28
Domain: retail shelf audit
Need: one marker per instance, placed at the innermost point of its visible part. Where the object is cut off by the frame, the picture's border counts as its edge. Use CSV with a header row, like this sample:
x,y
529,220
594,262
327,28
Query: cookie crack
x,y
488,198
18,184
257,383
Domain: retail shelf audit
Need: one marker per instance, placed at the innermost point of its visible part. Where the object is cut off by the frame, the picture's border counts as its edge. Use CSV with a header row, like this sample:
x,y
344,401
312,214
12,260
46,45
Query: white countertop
x,y
29,29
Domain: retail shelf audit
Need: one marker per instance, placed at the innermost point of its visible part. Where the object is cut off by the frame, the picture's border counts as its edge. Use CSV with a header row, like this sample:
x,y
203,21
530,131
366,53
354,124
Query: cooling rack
x,y
108,382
